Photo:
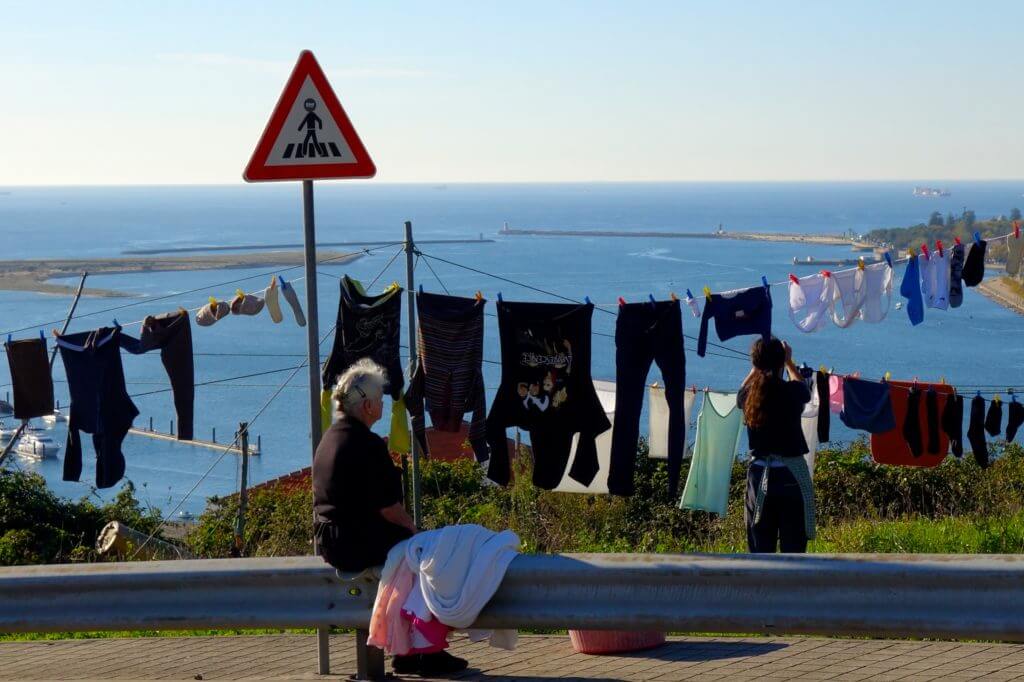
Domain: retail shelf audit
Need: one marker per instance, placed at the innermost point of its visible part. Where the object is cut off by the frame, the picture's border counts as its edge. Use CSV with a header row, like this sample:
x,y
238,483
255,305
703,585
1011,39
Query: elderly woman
x,y
357,490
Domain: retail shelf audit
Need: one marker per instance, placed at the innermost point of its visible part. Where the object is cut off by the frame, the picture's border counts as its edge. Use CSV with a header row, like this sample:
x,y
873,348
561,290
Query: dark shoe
x,y
441,663
406,665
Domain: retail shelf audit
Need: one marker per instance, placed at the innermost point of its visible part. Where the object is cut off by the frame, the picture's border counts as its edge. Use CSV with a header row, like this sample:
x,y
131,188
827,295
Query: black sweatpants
x,y
358,552
646,332
782,518
172,334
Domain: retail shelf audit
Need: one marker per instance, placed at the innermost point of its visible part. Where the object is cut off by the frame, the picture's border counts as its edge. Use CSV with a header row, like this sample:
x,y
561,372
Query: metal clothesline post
x,y
313,359
410,249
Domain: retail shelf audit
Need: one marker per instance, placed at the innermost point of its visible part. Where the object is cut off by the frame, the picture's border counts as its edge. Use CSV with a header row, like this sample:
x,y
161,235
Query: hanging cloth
x,y
718,436
811,299
737,313
935,280
31,376
852,294
606,394
956,268
867,405
657,443
974,265
891,447
910,289
878,278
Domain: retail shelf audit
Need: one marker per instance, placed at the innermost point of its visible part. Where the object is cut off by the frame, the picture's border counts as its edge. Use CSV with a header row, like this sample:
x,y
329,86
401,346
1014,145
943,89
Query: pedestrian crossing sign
x,y
309,136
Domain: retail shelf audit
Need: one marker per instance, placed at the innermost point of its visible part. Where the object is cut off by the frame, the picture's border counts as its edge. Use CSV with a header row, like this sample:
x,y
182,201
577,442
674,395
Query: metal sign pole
x,y
410,248
313,357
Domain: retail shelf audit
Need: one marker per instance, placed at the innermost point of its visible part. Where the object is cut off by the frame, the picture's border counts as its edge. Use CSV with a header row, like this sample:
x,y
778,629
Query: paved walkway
x,y
537,658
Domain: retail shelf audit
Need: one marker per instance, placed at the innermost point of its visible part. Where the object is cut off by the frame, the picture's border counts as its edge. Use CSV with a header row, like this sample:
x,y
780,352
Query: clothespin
x,y
794,279
979,393
826,273
888,259
651,298
8,338
42,336
938,245
694,388
764,281
213,301
942,380
117,325
924,250
707,293
478,296
688,295
586,299
998,398
499,297
239,293
1016,229
912,253
622,301
182,311
957,240
860,263
673,295
1013,396
887,376
821,368
977,238
421,289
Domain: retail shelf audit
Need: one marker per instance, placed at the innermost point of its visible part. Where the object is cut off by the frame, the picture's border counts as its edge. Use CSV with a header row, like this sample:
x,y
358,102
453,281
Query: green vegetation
x,y
945,229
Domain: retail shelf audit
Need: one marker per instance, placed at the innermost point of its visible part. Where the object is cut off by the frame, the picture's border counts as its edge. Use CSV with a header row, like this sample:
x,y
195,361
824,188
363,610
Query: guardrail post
x,y
369,659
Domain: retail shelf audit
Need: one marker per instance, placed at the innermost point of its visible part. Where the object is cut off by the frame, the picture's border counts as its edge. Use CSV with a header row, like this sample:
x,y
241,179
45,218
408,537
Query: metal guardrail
x,y
957,597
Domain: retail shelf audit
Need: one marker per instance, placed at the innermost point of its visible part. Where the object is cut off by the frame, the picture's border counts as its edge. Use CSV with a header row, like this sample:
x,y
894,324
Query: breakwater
x,y
823,240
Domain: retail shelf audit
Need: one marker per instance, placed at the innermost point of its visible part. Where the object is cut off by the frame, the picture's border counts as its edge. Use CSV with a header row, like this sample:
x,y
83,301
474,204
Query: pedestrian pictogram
x,y
309,136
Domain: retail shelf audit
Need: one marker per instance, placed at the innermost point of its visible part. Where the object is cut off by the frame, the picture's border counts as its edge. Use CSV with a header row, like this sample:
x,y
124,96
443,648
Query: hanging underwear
x,y
810,301
878,281
867,406
891,447
935,280
852,294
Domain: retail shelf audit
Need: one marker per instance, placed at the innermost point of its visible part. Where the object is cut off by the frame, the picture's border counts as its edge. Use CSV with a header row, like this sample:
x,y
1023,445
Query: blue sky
x,y
146,93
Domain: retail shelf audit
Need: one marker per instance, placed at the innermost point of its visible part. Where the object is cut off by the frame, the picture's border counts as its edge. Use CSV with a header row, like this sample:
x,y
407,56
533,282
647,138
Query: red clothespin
x,y
1016,229
957,240
924,250
694,388
793,278
622,301
938,245
826,273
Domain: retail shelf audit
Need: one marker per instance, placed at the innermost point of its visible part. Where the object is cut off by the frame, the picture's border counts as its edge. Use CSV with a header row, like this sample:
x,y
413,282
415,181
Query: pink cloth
x,y
429,636
835,393
388,629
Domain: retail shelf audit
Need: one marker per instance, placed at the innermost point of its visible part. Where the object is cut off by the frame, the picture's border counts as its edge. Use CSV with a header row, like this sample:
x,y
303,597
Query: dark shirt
x,y
781,433
353,479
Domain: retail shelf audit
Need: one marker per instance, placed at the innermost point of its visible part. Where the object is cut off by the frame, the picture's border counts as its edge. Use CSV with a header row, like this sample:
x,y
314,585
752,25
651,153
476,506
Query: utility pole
x,y
243,492
410,290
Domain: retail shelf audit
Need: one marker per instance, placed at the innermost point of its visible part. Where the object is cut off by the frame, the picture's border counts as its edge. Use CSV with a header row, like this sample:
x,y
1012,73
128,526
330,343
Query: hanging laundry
x,y
912,422
822,382
974,265
878,278
956,269
546,389
99,402
1014,251
646,333
953,423
718,436
274,301
599,486
449,375
852,294
809,420
172,334
994,418
931,406
935,280
910,289
292,299
810,300
246,304
892,447
212,312
867,406
692,302
31,378
658,415
739,313
976,432
1014,419
835,394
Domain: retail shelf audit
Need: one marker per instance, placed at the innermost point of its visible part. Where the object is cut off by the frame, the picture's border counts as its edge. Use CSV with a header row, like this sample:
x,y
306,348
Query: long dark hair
x,y
768,357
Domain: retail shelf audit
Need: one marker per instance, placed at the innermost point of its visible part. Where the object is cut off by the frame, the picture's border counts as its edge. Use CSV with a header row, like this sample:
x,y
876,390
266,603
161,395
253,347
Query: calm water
x,y
978,344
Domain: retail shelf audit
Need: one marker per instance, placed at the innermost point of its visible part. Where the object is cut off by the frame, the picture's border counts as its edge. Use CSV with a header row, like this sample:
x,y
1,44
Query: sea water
x,y
978,344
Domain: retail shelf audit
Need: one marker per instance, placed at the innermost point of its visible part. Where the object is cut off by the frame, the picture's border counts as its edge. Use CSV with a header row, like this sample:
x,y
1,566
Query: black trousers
x,y
646,332
782,519
357,552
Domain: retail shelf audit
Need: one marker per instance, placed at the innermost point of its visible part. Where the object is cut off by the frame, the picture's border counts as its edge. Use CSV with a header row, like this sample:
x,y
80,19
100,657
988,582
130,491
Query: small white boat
x,y
37,445
899,305
186,515
54,418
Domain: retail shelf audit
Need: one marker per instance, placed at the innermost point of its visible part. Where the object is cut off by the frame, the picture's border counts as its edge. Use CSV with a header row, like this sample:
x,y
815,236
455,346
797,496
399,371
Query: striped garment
x,y
450,341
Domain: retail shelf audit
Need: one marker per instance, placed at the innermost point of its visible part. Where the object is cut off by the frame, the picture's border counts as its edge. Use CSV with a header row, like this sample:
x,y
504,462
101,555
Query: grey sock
x,y
293,300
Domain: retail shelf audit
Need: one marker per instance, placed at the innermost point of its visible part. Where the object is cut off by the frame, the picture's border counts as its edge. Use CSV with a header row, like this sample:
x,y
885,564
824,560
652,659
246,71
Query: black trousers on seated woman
x,y
781,526
353,554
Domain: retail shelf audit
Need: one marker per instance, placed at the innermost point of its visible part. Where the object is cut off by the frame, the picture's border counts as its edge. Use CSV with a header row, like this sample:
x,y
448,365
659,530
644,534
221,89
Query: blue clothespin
x,y
116,325
499,297
586,299
8,338
42,336
764,281
977,238
651,297
888,258
688,294
421,288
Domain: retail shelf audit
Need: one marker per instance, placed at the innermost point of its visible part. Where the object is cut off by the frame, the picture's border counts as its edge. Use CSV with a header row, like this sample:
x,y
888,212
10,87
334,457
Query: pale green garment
x,y
718,437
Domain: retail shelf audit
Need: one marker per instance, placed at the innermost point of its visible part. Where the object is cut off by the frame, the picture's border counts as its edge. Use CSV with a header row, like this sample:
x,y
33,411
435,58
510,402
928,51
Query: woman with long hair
x,y
779,509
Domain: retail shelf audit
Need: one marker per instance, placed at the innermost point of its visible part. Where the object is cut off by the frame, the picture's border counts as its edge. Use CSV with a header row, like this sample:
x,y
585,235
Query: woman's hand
x,y
789,352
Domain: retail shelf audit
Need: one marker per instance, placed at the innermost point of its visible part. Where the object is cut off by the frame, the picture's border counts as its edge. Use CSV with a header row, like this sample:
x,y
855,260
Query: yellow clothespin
x,y
182,311
942,380
860,263
239,293
674,297
479,296
821,368
707,293
998,398
213,301
888,376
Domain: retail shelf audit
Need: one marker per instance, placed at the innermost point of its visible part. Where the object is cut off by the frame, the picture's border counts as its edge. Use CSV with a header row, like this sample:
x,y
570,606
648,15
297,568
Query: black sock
x,y
1014,419
931,406
912,423
824,413
953,423
994,418
976,432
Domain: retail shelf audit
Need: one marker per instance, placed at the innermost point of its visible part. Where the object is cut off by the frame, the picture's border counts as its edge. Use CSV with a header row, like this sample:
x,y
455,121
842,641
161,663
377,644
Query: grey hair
x,y
363,380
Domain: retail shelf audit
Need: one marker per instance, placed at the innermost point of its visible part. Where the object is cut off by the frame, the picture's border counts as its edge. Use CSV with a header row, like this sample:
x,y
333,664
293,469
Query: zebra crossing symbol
x,y
309,136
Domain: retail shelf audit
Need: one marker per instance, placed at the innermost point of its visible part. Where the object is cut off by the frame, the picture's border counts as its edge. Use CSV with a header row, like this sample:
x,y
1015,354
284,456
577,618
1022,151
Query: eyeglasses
x,y
361,393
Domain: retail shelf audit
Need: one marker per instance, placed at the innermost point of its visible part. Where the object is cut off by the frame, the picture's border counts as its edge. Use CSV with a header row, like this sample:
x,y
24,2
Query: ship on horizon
x,y
931,192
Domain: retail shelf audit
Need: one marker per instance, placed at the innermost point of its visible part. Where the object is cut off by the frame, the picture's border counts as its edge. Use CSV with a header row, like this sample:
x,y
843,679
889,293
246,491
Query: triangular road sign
x,y
309,137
